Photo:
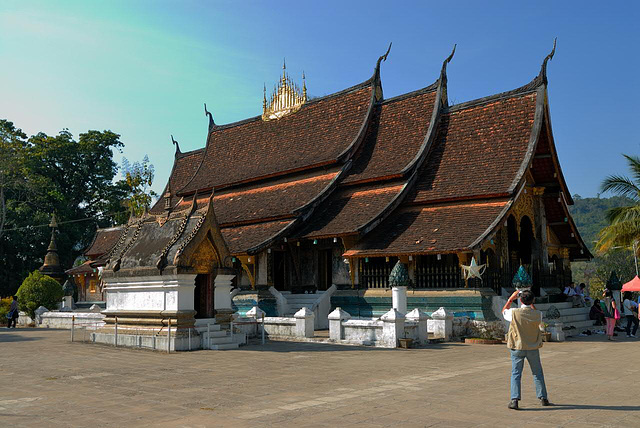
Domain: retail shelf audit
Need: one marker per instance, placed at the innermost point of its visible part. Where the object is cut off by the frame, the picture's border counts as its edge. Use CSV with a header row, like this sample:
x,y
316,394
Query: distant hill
x,y
589,215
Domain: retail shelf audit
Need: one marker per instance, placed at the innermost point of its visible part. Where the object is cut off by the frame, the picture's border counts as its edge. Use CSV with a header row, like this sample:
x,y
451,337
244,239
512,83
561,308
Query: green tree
x,y
74,179
623,229
39,290
138,177
12,143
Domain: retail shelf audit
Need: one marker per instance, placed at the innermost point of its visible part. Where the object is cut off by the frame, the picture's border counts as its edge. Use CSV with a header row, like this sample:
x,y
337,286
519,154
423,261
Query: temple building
x,y
86,276
326,195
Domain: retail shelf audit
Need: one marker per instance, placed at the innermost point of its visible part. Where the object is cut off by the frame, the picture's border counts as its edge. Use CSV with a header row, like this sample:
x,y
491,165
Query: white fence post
x,y
441,323
335,323
115,339
304,322
392,328
421,319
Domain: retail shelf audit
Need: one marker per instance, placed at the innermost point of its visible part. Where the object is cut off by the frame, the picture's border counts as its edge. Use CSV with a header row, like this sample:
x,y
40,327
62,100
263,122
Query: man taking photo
x,y
524,340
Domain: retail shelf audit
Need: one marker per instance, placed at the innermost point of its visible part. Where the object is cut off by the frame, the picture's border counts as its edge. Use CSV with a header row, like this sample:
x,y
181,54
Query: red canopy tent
x,y
633,285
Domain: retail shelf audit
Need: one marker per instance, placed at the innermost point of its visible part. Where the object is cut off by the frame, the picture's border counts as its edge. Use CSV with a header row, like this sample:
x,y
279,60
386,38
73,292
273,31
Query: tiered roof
x,y
406,175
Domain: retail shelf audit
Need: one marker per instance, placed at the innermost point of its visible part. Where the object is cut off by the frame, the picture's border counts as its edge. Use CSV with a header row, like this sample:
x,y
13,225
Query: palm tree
x,y
624,222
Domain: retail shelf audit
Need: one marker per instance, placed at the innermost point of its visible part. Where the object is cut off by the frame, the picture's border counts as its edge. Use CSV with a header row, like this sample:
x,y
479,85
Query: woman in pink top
x,y
609,308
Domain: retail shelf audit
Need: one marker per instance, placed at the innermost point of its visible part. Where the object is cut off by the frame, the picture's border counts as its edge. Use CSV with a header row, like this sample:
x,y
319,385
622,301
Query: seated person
x,y
580,297
571,295
596,313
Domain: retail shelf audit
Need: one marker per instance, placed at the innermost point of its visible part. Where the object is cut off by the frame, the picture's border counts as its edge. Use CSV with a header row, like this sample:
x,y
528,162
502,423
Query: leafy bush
x,y
39,290
5,304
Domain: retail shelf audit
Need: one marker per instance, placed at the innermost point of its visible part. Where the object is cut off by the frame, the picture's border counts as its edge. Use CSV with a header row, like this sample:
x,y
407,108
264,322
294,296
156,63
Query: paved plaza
x,y
48,381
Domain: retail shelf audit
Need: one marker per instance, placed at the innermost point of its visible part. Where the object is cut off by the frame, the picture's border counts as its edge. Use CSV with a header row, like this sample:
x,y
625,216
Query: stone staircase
x,y
218,339
295,302
570,317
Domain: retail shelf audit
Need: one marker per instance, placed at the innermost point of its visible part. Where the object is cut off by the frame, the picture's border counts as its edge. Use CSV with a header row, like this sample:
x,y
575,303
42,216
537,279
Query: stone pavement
x,y
48,381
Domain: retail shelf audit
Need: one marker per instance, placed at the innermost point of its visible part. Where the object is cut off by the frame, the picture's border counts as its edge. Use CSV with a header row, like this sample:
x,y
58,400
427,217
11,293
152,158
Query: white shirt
x,y
627,305
569,291
507,313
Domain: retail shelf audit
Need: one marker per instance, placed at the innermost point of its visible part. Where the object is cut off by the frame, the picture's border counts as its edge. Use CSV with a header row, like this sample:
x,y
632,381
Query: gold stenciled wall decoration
x,y
285,99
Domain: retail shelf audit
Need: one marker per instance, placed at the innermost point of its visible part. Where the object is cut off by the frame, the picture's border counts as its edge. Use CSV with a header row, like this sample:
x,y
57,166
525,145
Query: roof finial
x,y
383,58
175,143
304,87
212,124
284,70
443,77
264,98
443,72
543,69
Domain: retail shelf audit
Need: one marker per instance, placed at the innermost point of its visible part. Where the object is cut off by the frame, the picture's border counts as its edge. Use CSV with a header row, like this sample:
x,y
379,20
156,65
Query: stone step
x,y
224,346
575,311
561,305
203,328
574,318
214,334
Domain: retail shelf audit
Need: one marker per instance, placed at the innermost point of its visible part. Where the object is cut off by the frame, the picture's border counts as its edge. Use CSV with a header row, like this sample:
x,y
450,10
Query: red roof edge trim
x,y
442,201
263,177
372,180
388,209
494,225
308,208
257,221
538,120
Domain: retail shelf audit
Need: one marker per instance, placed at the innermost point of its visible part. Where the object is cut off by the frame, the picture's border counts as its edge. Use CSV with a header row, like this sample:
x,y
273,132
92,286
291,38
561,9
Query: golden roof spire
x,y
285,99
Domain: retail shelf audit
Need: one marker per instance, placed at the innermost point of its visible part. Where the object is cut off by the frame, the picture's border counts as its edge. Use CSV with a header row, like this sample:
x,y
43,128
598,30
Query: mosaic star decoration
x,y
473,270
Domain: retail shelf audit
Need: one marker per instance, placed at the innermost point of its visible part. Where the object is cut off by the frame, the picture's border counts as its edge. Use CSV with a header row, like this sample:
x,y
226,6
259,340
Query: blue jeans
x,y
517,364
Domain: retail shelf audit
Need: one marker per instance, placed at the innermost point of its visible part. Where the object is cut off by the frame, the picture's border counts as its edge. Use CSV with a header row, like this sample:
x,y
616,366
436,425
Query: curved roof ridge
x,y
530,87
430,88
310,101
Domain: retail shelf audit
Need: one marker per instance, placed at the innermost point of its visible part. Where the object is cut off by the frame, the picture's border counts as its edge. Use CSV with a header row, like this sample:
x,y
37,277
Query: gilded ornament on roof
x,y
285,99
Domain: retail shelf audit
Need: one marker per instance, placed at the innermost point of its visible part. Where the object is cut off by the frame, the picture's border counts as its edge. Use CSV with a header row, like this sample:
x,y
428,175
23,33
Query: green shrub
x,y
39,290
5,304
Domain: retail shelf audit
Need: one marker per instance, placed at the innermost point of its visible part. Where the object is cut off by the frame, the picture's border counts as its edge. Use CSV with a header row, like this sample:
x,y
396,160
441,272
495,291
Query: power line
x,y
64,222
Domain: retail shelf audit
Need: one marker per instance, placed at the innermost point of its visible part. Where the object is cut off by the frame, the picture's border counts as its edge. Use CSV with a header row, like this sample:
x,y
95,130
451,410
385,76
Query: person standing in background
x,y
524,341
631,313
609,308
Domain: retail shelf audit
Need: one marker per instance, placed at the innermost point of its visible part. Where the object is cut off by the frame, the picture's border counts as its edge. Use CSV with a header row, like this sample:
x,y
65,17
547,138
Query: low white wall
x,y
362,332
88,320
280,326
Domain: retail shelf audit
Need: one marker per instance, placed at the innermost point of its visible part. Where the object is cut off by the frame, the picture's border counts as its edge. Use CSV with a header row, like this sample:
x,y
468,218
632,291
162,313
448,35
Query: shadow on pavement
x,y
286,346
583,407
7,335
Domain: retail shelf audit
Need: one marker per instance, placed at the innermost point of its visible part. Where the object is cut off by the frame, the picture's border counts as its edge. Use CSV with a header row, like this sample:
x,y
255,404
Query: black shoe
x,y
544,402
513,404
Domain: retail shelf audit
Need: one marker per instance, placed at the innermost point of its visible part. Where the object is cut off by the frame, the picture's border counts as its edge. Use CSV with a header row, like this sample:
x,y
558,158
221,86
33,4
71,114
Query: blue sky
x,y
144,68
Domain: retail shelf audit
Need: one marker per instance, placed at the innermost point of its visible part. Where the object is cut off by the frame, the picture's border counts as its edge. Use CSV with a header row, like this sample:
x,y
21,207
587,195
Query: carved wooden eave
x,y
185,241
204,249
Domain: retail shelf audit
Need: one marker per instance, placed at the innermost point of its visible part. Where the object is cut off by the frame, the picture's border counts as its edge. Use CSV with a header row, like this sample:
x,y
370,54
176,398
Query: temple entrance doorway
x,y
279,271
325,269
203,296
